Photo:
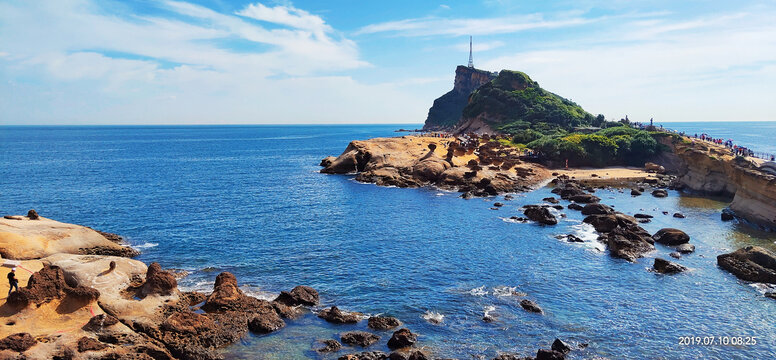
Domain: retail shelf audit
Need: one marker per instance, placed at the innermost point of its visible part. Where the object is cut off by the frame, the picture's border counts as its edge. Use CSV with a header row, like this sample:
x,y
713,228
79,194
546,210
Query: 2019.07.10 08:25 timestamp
x,y
717,340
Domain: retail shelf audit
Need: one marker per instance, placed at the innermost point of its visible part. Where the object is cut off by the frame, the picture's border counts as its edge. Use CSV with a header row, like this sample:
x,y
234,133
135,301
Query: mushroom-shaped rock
x,y
667,267
359,338
540,215
402,338
383,322
751,263
158,281
337,316
300,295
530,306
671,237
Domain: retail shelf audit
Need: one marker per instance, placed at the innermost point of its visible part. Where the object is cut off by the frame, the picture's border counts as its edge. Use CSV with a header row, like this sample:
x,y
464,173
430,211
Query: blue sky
x,y
236,62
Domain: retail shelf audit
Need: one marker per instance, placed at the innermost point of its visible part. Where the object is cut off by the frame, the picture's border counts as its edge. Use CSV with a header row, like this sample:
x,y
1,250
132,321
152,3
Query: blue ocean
x,y
250,200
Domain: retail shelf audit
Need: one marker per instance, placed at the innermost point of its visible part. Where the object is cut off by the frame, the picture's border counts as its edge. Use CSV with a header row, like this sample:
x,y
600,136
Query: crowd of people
x,y
735,149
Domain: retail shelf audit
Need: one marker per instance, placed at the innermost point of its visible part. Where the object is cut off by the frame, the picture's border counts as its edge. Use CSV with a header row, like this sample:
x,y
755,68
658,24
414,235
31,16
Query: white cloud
x,y
286,15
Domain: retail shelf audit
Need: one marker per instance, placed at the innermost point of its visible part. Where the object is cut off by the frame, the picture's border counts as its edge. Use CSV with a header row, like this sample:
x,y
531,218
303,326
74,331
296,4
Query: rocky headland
x,y
478,167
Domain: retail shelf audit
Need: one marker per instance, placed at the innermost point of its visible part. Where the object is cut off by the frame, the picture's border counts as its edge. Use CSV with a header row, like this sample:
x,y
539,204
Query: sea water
x,y
250,200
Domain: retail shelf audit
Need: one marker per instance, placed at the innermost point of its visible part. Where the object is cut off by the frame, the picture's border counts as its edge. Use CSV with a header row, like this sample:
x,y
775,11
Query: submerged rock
x,y
366,355
685,248
530,306
751,263
330,345
667,267
359,338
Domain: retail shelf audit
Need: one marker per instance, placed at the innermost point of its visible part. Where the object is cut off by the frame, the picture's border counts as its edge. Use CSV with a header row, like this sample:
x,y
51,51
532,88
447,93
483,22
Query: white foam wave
x,y
480,291
763,288
487,310
145,245
256,292
504,290
433,317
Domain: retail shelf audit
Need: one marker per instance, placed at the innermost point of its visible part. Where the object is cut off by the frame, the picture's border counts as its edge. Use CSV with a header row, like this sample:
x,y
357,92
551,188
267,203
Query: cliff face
x,y
713,170
446,111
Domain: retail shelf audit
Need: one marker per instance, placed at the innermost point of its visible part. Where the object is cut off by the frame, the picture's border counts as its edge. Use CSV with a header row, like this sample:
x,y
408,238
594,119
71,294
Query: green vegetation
x,y
556,127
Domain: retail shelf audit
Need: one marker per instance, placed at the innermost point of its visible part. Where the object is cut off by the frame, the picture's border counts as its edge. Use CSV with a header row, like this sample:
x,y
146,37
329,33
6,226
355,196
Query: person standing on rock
x,y
12,282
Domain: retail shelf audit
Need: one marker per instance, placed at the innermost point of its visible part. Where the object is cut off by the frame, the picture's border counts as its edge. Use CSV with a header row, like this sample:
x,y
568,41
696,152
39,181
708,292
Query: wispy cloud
x,y
481,26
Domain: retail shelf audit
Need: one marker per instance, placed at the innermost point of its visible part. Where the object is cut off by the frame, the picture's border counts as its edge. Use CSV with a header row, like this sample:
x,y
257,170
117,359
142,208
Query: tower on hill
x,y
471,59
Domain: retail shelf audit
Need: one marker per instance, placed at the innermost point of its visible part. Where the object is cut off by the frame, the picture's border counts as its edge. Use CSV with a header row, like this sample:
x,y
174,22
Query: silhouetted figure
x,y
12,282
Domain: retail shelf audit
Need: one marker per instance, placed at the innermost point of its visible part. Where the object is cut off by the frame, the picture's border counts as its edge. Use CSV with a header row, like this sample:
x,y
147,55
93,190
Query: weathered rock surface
x,y
35,239
366,355
300,295
530,306
597,209
329,345
751,263
19,342
412,161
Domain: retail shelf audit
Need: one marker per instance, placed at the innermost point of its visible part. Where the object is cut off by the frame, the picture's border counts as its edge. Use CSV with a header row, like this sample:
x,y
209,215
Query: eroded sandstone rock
x,y
751,263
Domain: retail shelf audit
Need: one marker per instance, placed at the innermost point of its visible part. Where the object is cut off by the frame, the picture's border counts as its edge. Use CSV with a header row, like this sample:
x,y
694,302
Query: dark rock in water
x,y
551,200
88,344
679,215
330,345
751,263
726,216
544,354
467,195
597,209
771,295
512,357
584,199
569,238
508,197
518,218
671,237
659,193
665,212
383,322
300,295
498,204
560,346
336,316
602,223
415,355
644,221
402,338
642,216
359,338
685,248
635,192
575,206
540,215
366,355
266,321
675,255
33,215
558,207
666,267
531,306
18,342
628,243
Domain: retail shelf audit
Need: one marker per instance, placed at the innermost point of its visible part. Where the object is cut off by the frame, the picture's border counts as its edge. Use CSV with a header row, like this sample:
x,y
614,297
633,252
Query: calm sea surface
x,y
250,200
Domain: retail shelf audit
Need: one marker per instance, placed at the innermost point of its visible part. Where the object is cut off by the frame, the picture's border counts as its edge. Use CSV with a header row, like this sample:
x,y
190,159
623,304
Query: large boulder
x,y
751,263
540,214
628,243
402,338
660,193
654,168
227,296
602,223
49,284
671,237
667,267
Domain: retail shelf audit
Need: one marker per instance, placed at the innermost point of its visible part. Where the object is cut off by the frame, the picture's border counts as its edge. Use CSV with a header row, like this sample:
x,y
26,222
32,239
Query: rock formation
x,y
751,263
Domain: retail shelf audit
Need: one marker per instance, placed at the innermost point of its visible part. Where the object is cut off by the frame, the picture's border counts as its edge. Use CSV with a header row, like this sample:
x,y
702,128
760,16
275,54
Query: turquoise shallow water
x,y
250,200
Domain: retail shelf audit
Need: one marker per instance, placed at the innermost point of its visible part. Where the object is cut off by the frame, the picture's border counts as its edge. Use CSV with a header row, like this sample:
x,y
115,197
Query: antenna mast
x,y
471,59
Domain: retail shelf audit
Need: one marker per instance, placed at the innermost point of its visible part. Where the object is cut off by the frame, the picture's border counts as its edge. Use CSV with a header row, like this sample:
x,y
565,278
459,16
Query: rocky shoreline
x,y
75,304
